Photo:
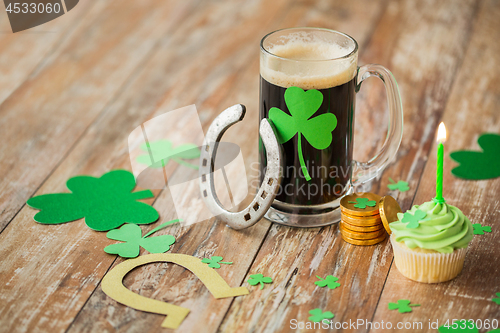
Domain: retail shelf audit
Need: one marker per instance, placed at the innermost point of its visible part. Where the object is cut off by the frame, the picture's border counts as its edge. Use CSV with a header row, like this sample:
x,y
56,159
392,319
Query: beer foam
x,y
308,64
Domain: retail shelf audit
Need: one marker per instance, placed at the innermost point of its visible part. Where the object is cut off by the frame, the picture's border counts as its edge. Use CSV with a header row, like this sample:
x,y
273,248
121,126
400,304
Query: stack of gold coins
x,y
361,223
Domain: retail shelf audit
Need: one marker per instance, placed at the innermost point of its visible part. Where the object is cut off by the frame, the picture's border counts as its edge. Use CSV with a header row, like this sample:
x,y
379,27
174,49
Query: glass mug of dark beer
x,y
308,83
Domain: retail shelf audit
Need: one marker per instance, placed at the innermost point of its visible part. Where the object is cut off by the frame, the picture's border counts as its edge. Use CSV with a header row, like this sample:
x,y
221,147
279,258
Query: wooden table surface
x,y
73,89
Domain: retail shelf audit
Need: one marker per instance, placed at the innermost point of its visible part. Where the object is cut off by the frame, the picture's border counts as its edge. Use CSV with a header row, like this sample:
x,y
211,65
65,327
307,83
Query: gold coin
x,y
361,221
361,229
361,235
389,209
364,242
360,200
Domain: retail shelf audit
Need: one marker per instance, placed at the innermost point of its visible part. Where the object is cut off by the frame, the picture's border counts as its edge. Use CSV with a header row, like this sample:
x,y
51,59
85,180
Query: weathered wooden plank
x,y
472,109
105,147
207,238
45,116
51,258
424,49
23,52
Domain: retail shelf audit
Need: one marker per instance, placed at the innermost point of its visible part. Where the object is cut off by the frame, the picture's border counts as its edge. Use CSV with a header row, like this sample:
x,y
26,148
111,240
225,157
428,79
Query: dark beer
x,y
330,169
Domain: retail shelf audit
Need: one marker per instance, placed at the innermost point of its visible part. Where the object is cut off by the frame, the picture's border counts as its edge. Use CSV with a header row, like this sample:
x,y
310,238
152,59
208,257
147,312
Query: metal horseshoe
x,y
272,179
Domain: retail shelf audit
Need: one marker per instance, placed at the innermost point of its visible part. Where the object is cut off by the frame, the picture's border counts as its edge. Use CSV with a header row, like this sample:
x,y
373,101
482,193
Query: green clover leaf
x,y
259,278
317,315
160,152
105,203
362,203
131,235
497,300
302,105
479,229
479,164
403,305
215,261
413,220
330,281
401,185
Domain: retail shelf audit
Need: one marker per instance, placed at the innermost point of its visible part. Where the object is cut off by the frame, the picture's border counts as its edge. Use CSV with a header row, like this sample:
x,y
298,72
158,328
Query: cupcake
x,y
430,242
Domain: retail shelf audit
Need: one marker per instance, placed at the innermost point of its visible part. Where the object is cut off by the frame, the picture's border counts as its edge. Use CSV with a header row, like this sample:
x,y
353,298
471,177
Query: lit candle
x,y
441,138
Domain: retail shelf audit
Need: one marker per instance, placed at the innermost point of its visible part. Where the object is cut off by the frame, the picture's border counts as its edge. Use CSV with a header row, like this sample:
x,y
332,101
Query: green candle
x,y
439,170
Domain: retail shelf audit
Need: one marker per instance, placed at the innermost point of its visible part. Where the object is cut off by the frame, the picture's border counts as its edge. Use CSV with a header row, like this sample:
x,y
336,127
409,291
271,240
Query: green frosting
x,y
443,229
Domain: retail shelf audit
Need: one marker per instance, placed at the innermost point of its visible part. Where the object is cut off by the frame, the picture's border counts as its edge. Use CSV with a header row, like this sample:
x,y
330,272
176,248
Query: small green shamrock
x,y
259,278
160,152
302,105
478,165
215,261
460,326
413,220
362,203
330,281
403,305
480,230
131,235
317,315
497,300
401,185
106,202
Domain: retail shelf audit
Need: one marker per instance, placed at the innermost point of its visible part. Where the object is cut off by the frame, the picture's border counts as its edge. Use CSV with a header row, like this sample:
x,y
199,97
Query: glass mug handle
x,y
363,172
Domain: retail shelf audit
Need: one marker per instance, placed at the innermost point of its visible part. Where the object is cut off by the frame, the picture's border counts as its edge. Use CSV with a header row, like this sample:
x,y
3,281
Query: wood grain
x,y
219,240
294,258
45,116
475,91
53,259
92,86
17,61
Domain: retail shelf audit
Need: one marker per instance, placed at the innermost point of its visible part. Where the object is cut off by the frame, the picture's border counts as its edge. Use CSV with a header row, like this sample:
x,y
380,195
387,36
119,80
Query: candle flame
x,y
441,137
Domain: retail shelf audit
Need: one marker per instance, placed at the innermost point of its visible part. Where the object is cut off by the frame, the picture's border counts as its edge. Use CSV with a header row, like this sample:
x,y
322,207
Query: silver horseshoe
x,y
272,179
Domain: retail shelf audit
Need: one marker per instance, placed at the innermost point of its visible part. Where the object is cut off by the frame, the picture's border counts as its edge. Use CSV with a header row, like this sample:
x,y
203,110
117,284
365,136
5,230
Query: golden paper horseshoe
x,y
112,285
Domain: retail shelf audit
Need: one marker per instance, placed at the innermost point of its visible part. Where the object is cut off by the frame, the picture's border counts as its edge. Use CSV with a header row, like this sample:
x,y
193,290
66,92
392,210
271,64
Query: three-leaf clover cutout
x,y
317,315
160,152
362,203
478,229
131,235
259,279
302,105
403,305
478,165
330,281
497,300
215,261
106,202
413,220
401,185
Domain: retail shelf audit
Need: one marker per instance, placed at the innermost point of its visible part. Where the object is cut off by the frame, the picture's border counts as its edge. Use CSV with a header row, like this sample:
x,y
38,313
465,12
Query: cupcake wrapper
x,y
428,267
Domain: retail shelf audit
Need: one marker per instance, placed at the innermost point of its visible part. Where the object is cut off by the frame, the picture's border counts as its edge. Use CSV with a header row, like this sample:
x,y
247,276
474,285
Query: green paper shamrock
x,y
317,315
215,261
403,305
362,203
302,105
106,202
160,152
480,230
401,185
413,220
461,326
259,278
478,165
497,300
131,234
330,281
